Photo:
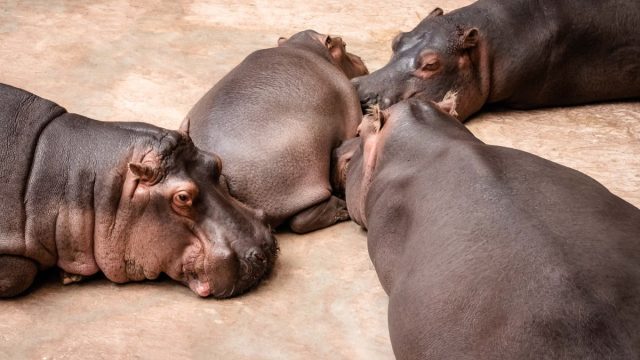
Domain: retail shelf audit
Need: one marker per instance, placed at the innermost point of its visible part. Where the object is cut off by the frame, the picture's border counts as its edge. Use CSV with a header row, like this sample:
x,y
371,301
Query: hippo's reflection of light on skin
x,y
130,200
516,53
285,107
509,254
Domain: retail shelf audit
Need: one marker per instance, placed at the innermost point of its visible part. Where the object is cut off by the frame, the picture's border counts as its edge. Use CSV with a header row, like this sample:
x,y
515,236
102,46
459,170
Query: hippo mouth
x,y
195,276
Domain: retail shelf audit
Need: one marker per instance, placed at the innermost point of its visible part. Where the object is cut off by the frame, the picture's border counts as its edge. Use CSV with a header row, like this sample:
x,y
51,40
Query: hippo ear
x,y
336,47
436,12
184,127
469,38
328,42
145,172
281,40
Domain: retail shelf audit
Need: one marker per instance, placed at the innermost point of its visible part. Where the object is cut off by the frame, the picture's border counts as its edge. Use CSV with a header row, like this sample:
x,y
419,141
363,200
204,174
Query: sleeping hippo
x,y
488,252
275,120
130,200
520,53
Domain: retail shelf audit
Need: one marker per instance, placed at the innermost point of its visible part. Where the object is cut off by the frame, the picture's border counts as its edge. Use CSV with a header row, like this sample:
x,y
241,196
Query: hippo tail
x,y
23,117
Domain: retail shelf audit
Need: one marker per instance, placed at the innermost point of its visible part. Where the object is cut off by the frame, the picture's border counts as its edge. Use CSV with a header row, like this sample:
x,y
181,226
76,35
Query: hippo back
x,y
283,108
22,119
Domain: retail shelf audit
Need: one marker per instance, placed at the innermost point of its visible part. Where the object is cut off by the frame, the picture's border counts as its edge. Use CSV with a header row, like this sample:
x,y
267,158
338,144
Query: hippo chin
x,y
128,199
275,120
518,53
488,252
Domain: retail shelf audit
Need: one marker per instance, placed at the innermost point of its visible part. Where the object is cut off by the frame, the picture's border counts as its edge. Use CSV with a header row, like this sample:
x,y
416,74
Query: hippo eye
x,y
182,199
431,66
429,61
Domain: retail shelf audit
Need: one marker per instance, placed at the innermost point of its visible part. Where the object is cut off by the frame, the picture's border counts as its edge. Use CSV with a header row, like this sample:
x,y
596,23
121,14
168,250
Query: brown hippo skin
x,y
520,53
488,252
128,199
275,119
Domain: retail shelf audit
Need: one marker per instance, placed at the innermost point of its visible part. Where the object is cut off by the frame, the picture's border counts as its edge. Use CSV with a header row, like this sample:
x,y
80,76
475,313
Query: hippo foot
x,y
68,278
319,216
16,275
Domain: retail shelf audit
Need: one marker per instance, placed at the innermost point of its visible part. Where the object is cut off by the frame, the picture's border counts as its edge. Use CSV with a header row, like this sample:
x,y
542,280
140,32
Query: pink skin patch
x,y
201,288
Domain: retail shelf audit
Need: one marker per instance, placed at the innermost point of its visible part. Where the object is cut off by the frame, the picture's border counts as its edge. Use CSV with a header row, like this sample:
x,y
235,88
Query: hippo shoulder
x,y
22,119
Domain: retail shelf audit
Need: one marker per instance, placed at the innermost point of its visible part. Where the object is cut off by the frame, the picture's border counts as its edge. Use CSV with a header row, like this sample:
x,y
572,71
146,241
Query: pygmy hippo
x,y
519,53
488,252
275,120
128,199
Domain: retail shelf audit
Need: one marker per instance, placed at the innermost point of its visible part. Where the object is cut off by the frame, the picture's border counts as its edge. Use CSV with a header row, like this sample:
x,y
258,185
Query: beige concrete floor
x,y
151,61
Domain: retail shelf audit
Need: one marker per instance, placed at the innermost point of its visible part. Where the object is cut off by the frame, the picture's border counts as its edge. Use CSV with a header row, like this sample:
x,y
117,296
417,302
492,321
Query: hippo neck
x,y
412,155
402,137
87,162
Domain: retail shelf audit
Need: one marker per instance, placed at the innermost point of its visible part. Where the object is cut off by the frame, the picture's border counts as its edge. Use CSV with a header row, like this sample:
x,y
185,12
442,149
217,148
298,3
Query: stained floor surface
x,y
151,61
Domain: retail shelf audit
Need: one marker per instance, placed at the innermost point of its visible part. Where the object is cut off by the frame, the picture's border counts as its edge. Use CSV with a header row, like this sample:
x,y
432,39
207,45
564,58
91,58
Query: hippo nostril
x,y
256,256
369,100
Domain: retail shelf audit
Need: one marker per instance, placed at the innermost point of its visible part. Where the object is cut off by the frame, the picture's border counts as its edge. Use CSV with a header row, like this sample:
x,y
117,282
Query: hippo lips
x,y
201,288
193,266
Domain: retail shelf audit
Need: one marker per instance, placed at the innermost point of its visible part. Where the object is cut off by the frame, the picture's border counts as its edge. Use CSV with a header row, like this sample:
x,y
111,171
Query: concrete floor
x,y
151,61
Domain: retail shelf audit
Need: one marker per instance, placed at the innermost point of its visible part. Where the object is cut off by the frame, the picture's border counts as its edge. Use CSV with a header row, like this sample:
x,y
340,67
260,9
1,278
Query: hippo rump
x,y
488,252
275,120
520,53
128,199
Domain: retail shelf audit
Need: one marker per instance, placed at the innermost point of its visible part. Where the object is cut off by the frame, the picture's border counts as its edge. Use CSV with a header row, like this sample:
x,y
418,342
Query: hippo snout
x,y
254,264
369,98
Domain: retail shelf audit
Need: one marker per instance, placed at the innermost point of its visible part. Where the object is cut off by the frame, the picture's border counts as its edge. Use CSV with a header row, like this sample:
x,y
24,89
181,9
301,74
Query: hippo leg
x,y
321,215
16,274
68,278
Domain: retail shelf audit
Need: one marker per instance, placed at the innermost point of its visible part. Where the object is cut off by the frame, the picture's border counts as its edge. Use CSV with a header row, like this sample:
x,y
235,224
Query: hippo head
x,y
175,216
359,158
435,57
330,47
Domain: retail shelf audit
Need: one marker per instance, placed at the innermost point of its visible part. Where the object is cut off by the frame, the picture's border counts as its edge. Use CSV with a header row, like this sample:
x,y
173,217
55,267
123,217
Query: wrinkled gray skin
x,y
130,200
275,119
520,53
488,252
